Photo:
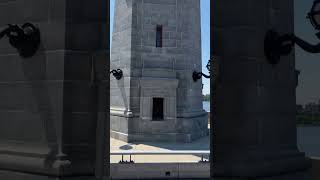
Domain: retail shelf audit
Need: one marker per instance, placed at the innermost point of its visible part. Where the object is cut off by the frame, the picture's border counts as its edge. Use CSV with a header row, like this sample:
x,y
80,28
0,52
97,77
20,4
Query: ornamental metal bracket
x,y
26,39
276,46
117,73
198,75
313,15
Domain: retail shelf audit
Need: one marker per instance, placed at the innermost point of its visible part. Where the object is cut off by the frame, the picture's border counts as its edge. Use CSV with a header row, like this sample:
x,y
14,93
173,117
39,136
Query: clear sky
x,y
205,39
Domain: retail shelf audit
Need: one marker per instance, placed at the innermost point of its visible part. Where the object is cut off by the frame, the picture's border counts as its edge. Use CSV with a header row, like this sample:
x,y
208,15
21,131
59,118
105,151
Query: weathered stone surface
x,y
162,72
50,103
253,108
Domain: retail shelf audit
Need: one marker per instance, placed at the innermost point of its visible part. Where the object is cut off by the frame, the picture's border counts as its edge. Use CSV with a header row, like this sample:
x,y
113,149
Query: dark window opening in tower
x,y
159,36
157,110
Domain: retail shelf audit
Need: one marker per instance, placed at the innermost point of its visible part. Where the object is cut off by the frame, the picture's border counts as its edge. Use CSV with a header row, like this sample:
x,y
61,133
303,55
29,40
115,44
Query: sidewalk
x,y
201,144
307,140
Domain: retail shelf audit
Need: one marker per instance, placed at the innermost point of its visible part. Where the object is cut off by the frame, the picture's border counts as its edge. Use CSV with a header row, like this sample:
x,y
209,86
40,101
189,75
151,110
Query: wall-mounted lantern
x,y
197,75
117,73
314,14
276,46
25,39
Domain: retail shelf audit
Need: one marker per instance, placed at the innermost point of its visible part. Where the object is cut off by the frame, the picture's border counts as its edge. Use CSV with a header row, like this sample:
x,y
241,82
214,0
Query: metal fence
x,y
145,153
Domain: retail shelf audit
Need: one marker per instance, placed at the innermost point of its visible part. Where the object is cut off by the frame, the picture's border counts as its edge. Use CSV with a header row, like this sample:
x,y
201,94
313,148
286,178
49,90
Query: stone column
x,y
254,125
51,103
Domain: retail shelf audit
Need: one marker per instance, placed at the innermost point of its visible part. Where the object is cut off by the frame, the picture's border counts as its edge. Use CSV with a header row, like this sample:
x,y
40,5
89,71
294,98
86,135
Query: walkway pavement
x,y
201,144
308,142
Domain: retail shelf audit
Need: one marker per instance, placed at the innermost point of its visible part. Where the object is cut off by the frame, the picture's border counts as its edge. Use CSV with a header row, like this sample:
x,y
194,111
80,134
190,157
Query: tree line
x,y
206,97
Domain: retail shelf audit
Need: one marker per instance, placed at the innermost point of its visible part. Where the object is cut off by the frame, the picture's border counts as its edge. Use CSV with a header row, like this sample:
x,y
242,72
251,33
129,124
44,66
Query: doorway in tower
x,y
157,109
160,106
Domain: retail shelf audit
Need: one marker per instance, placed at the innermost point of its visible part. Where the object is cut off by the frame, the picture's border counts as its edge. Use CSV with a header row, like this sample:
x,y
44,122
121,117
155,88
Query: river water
x,y
206,105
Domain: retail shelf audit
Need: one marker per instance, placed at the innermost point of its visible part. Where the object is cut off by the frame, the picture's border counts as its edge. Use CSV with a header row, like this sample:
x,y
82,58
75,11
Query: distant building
x,y
299,108
311,108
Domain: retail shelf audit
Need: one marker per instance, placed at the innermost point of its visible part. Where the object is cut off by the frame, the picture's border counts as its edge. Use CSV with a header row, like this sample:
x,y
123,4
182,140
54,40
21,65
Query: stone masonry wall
x,y
134,51
181,51
49,102
254,126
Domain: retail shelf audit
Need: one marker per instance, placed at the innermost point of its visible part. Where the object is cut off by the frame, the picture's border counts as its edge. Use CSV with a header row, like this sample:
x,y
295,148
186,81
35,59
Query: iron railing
x,y
140,152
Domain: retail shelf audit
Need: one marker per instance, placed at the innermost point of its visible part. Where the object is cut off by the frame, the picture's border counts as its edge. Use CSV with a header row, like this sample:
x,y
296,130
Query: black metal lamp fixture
x,y
276,46
25,39
197,75
117,73
314,15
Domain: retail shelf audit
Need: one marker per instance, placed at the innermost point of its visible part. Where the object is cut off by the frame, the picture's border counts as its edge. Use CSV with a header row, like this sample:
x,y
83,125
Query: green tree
x,y
206,97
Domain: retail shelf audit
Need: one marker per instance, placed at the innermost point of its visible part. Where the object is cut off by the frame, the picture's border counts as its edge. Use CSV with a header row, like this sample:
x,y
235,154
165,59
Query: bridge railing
x,y
154,152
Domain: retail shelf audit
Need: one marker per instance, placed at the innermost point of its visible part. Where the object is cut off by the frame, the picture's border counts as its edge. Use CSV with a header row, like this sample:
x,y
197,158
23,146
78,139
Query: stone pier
x,y
157,44
50,103
254,126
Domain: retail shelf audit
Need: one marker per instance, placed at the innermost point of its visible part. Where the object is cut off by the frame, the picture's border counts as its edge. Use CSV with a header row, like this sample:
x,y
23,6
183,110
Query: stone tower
x,y
157,45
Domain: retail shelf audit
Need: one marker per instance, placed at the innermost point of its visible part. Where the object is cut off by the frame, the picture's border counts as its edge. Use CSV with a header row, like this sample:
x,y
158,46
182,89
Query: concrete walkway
x,y
308,142
201,144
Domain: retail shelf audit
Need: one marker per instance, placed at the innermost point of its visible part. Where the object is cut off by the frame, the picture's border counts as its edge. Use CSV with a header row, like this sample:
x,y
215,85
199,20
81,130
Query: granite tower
x,y
157,45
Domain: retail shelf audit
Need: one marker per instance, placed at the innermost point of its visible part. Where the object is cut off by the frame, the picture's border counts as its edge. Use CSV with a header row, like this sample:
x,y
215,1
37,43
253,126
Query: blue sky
x,y
205,31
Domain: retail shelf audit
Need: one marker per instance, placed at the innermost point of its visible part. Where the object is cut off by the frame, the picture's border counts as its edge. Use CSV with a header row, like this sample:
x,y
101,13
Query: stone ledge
x,y
315,168
263,168
158,83
191,114
44,165
41,159
160,170
122,112
159,137
14,175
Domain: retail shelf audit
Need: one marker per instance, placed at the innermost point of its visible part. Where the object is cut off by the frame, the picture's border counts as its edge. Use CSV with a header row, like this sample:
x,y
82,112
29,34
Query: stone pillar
x,y
134,51
254,125
50,103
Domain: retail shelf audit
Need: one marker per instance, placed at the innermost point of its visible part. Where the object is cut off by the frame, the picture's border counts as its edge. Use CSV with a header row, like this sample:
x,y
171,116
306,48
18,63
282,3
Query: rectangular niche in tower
x,y
157,109
159,36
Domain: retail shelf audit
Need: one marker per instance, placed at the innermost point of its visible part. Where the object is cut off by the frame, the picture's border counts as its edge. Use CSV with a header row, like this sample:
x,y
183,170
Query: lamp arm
x,y
206,76
4,32
197,75
307,46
